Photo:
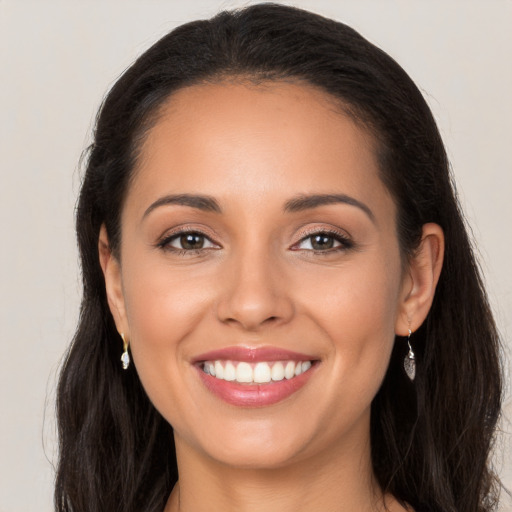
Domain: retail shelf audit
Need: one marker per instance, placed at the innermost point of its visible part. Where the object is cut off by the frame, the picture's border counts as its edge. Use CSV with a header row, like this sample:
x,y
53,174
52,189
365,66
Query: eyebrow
x,y
205,203
296,204
306,202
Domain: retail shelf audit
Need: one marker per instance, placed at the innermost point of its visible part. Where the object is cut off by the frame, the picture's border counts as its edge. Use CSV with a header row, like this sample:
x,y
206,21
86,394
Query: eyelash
x,y
344,242
164,244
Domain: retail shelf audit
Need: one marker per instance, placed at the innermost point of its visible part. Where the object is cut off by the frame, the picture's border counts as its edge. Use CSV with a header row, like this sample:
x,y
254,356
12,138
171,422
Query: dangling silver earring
x,y
125,357
410,360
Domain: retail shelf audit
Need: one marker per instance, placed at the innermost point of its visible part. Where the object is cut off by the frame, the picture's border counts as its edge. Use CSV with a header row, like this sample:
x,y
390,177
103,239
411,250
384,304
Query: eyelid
x,y
341,236
169,235
208,243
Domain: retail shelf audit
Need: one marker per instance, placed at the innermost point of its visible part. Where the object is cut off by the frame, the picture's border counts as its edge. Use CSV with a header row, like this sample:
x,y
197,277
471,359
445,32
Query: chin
x,y
255,455
263,443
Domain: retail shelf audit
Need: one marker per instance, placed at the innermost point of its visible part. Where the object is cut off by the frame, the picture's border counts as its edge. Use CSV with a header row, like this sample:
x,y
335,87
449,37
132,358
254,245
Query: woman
x,y
271,245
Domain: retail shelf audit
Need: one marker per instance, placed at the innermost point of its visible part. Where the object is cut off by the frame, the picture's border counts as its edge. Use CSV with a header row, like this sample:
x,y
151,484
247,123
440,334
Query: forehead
x,y
255,141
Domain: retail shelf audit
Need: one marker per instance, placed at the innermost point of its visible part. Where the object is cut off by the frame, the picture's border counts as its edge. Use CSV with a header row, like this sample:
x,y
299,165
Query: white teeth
x,y
259,373
262,373
229,372
278,372
289,371
244,372
219,370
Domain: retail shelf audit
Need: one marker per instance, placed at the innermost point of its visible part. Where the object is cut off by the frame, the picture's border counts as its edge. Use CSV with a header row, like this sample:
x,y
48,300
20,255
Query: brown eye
x,y
187,241
191,241
322,242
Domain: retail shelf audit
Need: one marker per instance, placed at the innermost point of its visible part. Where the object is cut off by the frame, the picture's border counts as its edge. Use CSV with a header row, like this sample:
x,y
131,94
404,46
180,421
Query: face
x,y
259,244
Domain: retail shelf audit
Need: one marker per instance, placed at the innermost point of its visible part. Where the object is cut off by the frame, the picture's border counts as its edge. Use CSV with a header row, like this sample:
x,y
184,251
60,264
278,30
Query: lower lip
x,y
254,395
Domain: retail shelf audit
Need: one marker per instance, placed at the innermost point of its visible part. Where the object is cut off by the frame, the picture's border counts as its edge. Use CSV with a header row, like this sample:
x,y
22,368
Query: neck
x,y
331,483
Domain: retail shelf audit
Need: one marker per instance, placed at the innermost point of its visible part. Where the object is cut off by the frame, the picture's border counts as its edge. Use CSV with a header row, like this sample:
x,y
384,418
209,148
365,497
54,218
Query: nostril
x,y
253,307
253,323
270,319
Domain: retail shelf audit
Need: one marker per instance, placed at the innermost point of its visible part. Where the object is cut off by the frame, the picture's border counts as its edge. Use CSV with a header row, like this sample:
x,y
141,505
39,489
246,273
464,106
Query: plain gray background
x,y
58,59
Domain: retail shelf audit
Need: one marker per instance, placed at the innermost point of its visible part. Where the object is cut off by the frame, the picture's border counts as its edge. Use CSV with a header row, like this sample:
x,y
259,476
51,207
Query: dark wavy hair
x,y
431,440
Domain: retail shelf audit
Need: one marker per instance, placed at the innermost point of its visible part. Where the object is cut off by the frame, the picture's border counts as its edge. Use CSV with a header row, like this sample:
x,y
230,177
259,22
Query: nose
x,y
254,293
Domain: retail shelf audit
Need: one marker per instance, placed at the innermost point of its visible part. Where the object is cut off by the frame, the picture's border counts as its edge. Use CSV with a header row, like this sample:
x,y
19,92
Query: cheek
x,y
158,306
363,295
164,311
164,308
357,309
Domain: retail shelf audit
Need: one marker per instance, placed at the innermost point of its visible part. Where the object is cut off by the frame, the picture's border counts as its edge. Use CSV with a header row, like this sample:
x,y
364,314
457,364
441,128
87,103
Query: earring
x,y
410,360
125,357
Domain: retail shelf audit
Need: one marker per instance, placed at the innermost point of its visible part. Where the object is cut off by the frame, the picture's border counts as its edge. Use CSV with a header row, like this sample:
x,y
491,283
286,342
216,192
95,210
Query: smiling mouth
x,y
263,372
254,377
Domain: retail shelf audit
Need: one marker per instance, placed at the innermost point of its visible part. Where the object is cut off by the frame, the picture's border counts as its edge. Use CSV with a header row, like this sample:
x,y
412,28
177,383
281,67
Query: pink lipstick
x,y
254,377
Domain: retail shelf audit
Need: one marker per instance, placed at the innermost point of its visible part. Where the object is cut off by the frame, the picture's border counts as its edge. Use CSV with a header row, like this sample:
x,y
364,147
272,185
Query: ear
x,y
113,283
420,283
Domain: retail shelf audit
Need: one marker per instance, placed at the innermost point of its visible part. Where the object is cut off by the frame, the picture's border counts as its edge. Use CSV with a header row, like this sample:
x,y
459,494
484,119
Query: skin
x,y
258,282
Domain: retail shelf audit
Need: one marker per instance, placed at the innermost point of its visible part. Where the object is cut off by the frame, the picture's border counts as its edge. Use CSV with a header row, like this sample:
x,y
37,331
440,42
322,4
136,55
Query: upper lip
x,y
253,354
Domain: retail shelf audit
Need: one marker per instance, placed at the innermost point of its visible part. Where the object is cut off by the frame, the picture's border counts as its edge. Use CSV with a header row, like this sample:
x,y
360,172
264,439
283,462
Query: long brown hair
x,y
431,440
